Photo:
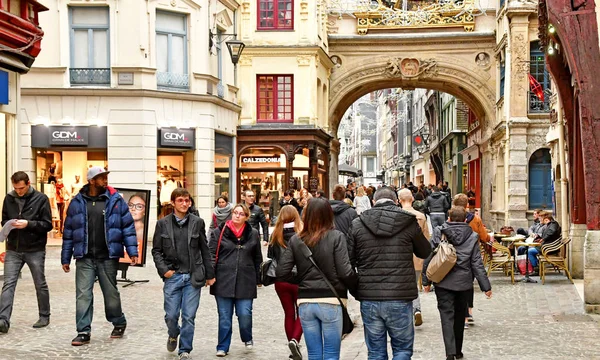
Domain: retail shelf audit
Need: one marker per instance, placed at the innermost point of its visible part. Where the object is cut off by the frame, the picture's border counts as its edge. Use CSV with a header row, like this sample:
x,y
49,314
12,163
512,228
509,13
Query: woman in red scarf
x,y
237,256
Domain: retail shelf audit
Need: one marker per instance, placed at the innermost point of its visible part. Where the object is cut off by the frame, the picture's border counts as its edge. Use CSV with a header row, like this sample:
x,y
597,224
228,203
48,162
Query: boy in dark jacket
x,y
97,227
343,214
28,211
453,291
183,261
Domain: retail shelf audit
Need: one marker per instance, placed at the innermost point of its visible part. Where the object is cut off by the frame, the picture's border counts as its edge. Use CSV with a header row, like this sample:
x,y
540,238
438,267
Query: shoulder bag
x,y
218,246
442,261
348,325
267,272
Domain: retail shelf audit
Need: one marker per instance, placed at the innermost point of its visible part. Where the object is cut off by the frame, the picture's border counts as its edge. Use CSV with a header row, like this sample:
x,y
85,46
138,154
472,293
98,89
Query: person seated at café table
x,y
552,233
536,228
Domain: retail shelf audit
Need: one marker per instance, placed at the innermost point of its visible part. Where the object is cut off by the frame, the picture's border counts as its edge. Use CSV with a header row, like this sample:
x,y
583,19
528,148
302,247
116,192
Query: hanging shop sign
x,y
176,138
56,136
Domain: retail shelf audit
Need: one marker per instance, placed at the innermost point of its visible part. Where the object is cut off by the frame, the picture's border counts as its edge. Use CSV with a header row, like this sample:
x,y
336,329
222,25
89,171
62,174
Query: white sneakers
x,y
221,353
249,345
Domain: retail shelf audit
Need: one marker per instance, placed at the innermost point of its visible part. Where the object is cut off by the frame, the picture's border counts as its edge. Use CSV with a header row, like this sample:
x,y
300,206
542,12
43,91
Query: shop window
x,y
275,14
171,52
537,69
90,49
275,98
370,164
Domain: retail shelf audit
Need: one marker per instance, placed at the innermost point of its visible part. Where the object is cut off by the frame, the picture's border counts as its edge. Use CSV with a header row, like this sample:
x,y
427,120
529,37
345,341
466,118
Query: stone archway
x,y
460,64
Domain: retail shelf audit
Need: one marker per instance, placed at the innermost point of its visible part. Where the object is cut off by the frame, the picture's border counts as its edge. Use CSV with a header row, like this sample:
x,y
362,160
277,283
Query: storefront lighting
x,y
550,49
551,29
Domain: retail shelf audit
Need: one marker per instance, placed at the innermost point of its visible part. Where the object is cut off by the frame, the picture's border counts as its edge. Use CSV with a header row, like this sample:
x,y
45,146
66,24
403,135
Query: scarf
x,y
181,222
221,214
237,233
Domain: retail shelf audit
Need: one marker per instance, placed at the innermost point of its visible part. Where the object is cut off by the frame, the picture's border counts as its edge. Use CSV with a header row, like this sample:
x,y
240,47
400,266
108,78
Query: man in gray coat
x,y
453,291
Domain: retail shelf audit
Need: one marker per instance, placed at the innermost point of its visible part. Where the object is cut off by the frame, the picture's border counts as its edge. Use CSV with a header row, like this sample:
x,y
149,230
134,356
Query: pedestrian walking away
x,y
236,257
257,218
383,242
406,199
452,291
97,228
319,309
342,212
287,225
437,204
183,261
27,211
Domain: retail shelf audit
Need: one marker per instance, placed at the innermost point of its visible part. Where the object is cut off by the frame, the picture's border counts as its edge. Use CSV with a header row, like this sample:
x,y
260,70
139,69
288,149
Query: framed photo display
x,y
138,202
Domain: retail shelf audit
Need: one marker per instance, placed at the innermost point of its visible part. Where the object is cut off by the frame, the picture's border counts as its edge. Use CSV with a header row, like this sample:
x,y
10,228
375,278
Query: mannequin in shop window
x,y
52,173
61,194
77,185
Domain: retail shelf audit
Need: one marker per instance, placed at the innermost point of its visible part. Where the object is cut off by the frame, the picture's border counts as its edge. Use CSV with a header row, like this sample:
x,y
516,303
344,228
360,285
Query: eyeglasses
x,y
239,213
183,201
138,207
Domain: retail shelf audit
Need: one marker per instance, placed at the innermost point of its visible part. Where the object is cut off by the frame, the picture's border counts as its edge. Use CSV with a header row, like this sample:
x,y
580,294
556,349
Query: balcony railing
x,y
430,14
538,106
80,76
172,81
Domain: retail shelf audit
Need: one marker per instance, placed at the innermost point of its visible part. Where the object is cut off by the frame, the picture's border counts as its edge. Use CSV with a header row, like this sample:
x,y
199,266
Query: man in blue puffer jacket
x,y
97,227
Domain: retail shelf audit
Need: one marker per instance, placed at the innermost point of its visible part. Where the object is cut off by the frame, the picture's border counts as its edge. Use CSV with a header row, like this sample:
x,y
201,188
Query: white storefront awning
x,y
471,153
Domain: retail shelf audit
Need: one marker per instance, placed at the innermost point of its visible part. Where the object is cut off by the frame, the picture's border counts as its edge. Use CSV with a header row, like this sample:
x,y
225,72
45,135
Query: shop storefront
x,y
472,175
62,156
271,161
175,148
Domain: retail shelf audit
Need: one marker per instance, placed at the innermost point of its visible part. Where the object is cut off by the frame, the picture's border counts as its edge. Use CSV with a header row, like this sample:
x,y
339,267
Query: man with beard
x,y
97,227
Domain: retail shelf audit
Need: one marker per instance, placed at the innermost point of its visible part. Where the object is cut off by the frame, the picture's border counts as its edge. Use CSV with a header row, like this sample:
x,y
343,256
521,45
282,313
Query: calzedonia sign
x,y
177,138
261,159
69,135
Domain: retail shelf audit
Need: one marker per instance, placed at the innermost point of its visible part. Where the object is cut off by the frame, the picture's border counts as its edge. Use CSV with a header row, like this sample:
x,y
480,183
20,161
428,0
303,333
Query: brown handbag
x,y
442,261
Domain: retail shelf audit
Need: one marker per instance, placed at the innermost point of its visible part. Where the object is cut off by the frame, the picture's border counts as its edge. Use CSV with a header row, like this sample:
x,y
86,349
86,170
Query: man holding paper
x,y
26,220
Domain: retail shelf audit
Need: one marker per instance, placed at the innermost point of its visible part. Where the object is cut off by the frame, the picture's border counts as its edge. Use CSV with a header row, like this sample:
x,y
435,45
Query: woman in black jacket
x,y
319,310
236,258
453,290
288,224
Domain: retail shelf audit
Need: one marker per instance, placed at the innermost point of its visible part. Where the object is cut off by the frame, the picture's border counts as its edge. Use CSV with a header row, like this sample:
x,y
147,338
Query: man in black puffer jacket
x,y
381,247
437,204
257,217
342,212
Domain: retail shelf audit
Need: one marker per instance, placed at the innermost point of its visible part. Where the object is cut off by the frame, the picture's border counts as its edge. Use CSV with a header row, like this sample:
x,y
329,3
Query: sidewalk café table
x,y
527,279
509,242
499,236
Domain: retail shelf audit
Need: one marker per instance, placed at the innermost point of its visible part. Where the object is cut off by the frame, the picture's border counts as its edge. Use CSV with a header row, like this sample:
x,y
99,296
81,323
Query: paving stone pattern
x,y
522,321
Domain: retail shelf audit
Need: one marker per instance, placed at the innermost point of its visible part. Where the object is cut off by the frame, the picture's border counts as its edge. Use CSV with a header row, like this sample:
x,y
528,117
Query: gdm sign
x,y
179,138
69,135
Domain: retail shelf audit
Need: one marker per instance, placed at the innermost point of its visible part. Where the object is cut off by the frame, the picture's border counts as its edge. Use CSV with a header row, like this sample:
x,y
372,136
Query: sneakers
x,y
466,325
42,322
418,318
171,344
221,353
470,319
4,326
118,332
185,355
249,345
81,339
295,349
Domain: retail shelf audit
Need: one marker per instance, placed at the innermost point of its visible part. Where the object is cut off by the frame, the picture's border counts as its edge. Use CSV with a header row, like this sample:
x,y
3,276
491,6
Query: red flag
x,y
536,87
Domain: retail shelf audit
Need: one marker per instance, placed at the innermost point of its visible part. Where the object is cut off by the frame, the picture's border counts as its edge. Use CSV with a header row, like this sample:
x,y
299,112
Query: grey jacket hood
x,y
339,206
457,233
436,195
386,219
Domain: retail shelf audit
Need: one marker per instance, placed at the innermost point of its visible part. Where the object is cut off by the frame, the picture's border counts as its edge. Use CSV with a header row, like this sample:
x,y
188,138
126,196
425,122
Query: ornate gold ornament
x,y
410,68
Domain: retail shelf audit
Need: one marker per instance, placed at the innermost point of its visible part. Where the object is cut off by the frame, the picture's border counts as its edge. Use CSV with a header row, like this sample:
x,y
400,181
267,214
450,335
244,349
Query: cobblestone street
x,y
522,321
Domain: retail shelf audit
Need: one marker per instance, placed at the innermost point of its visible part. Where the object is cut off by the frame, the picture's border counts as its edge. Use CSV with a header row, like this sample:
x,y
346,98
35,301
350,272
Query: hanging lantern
x,y
536,88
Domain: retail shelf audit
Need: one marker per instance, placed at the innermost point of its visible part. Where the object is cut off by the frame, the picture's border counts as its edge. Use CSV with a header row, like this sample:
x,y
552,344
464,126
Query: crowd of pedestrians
x,y
323,250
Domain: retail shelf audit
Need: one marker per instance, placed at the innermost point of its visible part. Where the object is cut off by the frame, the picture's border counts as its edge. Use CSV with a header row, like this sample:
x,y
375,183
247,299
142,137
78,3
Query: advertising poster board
x,y
138,202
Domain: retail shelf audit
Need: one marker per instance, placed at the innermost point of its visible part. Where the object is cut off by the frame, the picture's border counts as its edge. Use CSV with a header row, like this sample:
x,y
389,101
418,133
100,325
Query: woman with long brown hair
x,y
287,225
319,310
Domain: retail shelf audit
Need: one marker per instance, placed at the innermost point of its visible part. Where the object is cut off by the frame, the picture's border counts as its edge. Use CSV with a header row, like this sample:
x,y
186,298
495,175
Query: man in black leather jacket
x,y
257,216
381,248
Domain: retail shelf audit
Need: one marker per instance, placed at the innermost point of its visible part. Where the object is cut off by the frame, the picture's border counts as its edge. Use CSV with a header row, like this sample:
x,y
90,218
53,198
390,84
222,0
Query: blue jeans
x,y
395,318
322,325
85,275
243,310
13,264
181,298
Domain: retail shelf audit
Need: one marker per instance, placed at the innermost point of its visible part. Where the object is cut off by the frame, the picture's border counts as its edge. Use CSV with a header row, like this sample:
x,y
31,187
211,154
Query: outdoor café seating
x,y
553,255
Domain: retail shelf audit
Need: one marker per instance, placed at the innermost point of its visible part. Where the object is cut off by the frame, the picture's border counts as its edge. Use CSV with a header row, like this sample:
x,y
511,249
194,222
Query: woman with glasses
x,y
319,309
137,208
287,225
236,254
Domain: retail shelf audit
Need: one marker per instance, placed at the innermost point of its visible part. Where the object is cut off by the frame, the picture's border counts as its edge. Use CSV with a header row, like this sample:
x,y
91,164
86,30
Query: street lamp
x,y
235,47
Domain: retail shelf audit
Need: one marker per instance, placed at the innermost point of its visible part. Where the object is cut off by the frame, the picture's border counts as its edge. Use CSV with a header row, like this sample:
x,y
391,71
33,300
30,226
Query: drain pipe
x,y
564,205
